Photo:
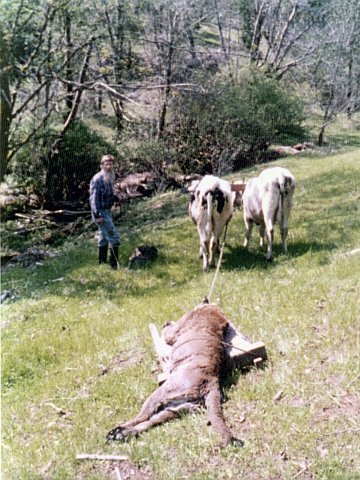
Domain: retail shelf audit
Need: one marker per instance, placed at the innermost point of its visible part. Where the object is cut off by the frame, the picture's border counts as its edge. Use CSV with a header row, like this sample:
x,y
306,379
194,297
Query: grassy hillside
x,y
77,357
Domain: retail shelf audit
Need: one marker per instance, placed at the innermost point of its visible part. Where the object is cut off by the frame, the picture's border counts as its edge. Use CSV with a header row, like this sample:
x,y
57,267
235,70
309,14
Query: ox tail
x,y
286,184
282,188
209,201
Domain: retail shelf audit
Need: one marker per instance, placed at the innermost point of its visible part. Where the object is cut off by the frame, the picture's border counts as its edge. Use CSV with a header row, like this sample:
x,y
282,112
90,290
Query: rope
x,y
226,344
207,299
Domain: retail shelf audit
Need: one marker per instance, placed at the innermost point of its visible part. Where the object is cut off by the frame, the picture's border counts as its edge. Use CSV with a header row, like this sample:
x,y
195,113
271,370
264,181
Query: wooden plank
x,y
238,187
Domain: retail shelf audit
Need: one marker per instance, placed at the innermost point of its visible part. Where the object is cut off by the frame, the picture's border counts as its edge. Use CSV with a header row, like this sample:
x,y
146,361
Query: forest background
x,y
171,87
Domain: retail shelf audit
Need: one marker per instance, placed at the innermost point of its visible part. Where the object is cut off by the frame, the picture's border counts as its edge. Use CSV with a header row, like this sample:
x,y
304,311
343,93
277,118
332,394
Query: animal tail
x,y
286,184
209,201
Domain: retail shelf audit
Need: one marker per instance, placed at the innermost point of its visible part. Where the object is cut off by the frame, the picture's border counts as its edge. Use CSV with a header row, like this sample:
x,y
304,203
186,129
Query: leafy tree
x,y
217,130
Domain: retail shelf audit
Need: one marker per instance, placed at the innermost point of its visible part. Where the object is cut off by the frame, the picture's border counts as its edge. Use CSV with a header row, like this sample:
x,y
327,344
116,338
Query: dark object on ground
x,y
102,254
142,255
6,295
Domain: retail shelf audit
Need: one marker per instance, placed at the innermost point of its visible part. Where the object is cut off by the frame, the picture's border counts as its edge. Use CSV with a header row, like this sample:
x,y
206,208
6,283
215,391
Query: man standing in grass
x,y
101,200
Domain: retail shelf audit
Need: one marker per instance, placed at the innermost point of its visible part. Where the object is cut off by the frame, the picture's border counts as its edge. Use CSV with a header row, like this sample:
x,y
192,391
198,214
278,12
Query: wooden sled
x,y
240,350
238,187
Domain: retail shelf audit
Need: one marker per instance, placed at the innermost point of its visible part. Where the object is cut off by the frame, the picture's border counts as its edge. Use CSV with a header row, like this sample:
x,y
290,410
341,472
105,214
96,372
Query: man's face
x,y
108,166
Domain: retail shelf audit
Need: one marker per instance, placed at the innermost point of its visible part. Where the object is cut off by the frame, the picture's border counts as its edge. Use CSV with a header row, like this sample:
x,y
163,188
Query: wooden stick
x,y
95,456
161,348
118,474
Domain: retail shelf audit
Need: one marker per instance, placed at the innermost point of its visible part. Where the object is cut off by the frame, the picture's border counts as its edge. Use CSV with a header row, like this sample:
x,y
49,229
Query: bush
x,y
233,121
69,173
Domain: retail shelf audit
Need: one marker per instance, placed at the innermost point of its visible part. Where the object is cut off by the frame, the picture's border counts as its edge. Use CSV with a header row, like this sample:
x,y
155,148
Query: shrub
x,y
232,120
78,160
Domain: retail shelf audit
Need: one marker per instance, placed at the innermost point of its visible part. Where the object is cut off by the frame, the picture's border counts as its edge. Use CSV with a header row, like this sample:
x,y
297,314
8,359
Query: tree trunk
x,y
321,136
162,119
69,72
5,105
349,94
54,185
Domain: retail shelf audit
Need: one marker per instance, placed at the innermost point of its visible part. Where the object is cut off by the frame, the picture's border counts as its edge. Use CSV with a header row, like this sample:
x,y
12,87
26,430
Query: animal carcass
x,y
194,367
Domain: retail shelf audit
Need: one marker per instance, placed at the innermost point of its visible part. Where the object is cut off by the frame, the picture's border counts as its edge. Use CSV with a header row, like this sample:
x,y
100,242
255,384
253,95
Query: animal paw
x,y
116,434
237,442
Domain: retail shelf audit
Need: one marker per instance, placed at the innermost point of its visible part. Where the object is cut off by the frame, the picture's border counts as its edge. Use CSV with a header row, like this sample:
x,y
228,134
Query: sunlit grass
x,y
77,357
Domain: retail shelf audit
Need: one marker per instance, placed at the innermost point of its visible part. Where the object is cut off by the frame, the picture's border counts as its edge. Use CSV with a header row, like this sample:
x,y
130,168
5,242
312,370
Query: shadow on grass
x,y
239,258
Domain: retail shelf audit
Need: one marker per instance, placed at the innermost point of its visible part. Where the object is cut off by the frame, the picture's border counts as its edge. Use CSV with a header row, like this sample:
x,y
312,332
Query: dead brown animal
x,y
196,358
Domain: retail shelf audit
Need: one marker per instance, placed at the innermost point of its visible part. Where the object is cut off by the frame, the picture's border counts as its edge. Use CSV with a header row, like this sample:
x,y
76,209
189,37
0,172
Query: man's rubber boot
x,y
114,257
103,254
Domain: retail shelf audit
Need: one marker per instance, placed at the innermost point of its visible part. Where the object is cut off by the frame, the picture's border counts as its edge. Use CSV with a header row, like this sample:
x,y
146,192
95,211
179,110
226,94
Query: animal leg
x,y
270,239
262,235
248,226
148,409
269,229
212,249
205,254
122,432
284,233
216,418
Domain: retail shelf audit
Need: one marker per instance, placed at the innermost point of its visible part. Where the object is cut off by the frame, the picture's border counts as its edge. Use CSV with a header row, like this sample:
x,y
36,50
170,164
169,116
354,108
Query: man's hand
x,y
100,220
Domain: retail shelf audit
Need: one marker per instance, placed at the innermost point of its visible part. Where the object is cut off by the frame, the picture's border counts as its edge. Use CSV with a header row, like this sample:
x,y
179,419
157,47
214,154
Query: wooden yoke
x,y
239,189
240,350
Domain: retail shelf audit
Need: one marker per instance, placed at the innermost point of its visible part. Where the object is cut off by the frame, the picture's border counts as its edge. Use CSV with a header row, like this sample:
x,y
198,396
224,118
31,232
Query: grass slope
x,y
77,356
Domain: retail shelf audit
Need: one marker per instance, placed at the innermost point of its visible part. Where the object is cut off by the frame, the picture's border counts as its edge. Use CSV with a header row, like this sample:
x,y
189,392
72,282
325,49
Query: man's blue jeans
x,y
107,231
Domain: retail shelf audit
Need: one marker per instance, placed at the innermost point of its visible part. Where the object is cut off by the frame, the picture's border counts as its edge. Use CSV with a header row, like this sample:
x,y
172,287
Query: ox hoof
x,y
117,434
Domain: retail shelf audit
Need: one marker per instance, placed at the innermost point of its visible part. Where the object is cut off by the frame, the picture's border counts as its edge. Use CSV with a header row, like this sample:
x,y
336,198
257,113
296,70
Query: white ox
x,y
268,200
211,208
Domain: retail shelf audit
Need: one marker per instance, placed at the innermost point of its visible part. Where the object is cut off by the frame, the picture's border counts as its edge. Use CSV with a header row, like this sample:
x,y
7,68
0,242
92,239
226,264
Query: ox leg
x,y
205,254
284,233
212,249
270,240
262,235
248,225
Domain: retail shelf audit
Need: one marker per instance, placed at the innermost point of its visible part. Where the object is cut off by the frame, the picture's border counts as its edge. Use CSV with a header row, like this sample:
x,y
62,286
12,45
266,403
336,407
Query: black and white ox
x,y
211,208
268,200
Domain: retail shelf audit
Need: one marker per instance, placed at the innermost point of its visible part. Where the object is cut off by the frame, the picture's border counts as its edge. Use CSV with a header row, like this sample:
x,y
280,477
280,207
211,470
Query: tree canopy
x,y
154,67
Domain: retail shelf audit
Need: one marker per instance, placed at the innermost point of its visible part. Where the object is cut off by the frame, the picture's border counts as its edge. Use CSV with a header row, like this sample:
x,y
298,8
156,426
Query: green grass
x,y
77,339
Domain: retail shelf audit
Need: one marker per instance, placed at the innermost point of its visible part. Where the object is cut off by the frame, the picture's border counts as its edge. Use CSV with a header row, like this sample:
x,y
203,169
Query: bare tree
x,y
276,32
5,103
334,73
171,47
35,65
